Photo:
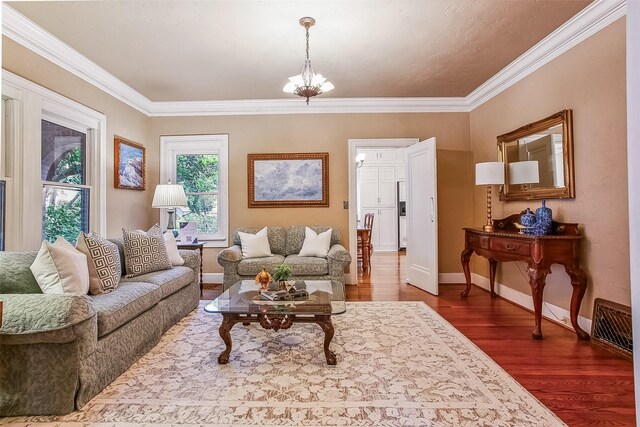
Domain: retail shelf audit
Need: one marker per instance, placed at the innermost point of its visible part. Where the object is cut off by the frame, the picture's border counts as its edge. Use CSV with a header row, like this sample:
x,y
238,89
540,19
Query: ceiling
x,y
235,50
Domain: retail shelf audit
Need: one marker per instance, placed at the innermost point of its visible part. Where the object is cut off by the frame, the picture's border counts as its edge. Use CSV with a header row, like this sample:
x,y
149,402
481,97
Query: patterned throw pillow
x,y
103,260
145,252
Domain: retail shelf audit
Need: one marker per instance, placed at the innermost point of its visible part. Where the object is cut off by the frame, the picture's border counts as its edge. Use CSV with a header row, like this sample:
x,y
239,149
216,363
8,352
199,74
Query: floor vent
x,y
611,326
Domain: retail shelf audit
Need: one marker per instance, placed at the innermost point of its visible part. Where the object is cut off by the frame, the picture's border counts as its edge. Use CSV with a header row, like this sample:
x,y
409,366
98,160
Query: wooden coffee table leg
x,y
228,320
327,327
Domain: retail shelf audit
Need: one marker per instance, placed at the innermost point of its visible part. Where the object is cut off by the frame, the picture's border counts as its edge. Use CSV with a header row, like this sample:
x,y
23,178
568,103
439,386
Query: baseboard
x,y
451,278
549,311
214,278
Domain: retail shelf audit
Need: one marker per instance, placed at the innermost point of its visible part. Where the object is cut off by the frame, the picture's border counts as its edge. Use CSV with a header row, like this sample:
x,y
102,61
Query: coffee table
x,y
242,303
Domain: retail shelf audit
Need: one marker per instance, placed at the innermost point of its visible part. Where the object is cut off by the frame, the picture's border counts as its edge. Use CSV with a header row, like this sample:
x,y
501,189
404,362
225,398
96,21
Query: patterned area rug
x,y
399,363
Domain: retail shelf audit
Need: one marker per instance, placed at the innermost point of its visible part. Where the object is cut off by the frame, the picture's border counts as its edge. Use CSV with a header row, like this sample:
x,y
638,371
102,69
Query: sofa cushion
x,y
255,245
15,275
277,237
125,303
253,266
296,234
307,266
103,259
170,281
59,268
145,252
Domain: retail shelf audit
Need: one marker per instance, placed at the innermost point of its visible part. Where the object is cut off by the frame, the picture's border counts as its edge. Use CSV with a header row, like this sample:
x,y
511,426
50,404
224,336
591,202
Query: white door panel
x,y
368,186
422,221
387,230
386,186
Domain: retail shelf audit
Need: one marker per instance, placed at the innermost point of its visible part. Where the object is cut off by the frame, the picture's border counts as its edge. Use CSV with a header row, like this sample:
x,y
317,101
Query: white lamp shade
x,y
490,173
169,196
524,172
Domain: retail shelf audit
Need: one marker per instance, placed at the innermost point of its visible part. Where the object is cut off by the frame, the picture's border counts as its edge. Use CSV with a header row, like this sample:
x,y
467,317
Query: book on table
x,y
284,295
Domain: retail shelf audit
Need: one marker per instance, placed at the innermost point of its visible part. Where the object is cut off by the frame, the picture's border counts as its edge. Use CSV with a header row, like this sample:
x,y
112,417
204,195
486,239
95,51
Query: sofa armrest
x,y
191,259
232,254
337,252
25,314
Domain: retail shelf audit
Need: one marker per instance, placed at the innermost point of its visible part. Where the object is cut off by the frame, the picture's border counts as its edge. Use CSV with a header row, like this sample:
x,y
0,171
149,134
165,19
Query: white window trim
x,y
172,145
30,104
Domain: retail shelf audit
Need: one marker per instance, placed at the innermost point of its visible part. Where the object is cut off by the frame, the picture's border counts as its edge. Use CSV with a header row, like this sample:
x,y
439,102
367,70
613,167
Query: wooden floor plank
x,y
584,384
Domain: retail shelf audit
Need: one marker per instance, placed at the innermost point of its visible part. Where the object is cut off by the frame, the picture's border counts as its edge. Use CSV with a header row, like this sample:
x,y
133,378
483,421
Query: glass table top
x,y
325,297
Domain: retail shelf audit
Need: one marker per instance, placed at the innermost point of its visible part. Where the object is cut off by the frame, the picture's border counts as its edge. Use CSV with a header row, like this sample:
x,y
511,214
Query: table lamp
x,y
524,173
169,196
489,173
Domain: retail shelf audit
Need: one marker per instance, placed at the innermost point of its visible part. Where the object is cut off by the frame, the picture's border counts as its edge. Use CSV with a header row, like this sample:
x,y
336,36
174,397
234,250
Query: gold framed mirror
x,y
538,160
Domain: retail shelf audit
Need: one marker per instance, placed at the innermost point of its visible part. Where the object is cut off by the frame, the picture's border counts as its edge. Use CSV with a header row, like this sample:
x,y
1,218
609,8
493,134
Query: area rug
x,y
399,364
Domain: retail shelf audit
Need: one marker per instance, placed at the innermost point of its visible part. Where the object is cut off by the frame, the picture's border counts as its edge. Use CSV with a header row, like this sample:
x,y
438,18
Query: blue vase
x,y
528,218
544,221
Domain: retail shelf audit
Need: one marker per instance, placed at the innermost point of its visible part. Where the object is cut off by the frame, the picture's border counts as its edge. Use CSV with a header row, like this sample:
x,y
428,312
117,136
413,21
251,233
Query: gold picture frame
x,y
129,169
277,180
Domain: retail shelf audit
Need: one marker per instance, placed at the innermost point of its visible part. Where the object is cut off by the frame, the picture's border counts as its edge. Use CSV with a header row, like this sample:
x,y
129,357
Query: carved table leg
x,y
327,327
464,258
537,280
493,264
228,320
579,283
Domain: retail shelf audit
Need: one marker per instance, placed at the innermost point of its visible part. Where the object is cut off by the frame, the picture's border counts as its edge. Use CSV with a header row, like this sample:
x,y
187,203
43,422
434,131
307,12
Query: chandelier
x,y
307,84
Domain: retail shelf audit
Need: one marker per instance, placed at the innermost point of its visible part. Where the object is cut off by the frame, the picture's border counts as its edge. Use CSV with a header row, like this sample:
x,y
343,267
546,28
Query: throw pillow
x,y
60,269
316,244
144,252
103,260
255,245
172,248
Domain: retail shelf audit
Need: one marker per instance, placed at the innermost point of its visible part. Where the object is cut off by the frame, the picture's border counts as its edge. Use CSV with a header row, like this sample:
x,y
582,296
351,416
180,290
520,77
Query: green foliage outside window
x,y
63,208
198,174
63,219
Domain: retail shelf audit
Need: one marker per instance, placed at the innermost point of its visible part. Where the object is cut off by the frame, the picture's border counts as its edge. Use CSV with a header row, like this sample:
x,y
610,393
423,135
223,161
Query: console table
x,y
539,252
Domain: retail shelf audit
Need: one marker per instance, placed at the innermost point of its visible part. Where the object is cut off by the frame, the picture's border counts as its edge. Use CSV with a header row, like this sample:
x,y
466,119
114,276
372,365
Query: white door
x,y
386,222
422,218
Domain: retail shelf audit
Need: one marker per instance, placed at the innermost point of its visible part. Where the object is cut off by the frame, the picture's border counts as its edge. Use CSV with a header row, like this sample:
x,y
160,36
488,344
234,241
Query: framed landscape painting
x,y
288,180
129,167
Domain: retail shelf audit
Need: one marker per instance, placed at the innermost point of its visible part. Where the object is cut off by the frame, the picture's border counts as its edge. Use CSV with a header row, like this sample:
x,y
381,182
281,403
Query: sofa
x,y
285,244
57,351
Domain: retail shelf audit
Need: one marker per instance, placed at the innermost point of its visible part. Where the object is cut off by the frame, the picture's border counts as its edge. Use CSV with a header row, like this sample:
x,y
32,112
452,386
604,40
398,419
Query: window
x,y
199,164
53,161
65,197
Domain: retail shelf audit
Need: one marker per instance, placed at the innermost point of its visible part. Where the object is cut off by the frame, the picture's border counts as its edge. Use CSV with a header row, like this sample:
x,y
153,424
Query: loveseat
x,y
285,244
57,351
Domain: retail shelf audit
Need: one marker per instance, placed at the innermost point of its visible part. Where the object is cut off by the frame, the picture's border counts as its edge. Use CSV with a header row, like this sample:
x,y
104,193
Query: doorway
x,y
381,199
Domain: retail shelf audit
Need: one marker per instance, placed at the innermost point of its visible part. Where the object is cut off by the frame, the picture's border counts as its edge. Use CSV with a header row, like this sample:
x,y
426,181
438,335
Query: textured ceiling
x,y
223,50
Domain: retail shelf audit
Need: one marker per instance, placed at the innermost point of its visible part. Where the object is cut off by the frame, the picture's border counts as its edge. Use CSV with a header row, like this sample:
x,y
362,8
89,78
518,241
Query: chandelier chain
x,y
307,28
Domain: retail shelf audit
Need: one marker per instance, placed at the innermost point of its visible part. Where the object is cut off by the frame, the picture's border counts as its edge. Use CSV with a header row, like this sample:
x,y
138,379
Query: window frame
x,y
173,145
30,103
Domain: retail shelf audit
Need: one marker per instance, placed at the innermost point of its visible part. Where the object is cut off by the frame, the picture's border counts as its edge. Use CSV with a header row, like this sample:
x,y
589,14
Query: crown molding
x,y
317,106
586,23
589,21
30,35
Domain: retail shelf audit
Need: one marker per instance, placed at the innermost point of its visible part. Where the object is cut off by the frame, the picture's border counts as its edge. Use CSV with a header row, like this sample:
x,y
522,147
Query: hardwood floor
x,y
584,384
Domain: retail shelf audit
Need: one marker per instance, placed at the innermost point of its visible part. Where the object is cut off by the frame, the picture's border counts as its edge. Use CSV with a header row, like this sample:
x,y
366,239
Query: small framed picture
x,y
129,165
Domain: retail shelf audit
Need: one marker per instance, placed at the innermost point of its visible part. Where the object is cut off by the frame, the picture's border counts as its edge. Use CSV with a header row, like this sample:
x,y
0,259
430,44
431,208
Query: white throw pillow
x,y
172,248
255,245
59,268
316,244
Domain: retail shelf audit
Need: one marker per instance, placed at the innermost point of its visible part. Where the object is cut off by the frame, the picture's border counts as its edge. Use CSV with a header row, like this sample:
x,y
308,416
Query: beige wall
x,y
125,208
330,133
590,79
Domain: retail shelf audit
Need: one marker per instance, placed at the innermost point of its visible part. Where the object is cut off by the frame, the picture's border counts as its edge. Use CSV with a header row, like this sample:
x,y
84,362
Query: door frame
x,y
353,145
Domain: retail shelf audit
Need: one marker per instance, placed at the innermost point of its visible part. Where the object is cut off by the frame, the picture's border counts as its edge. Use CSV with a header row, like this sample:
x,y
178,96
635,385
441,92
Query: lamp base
x,y
488,228
171,224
